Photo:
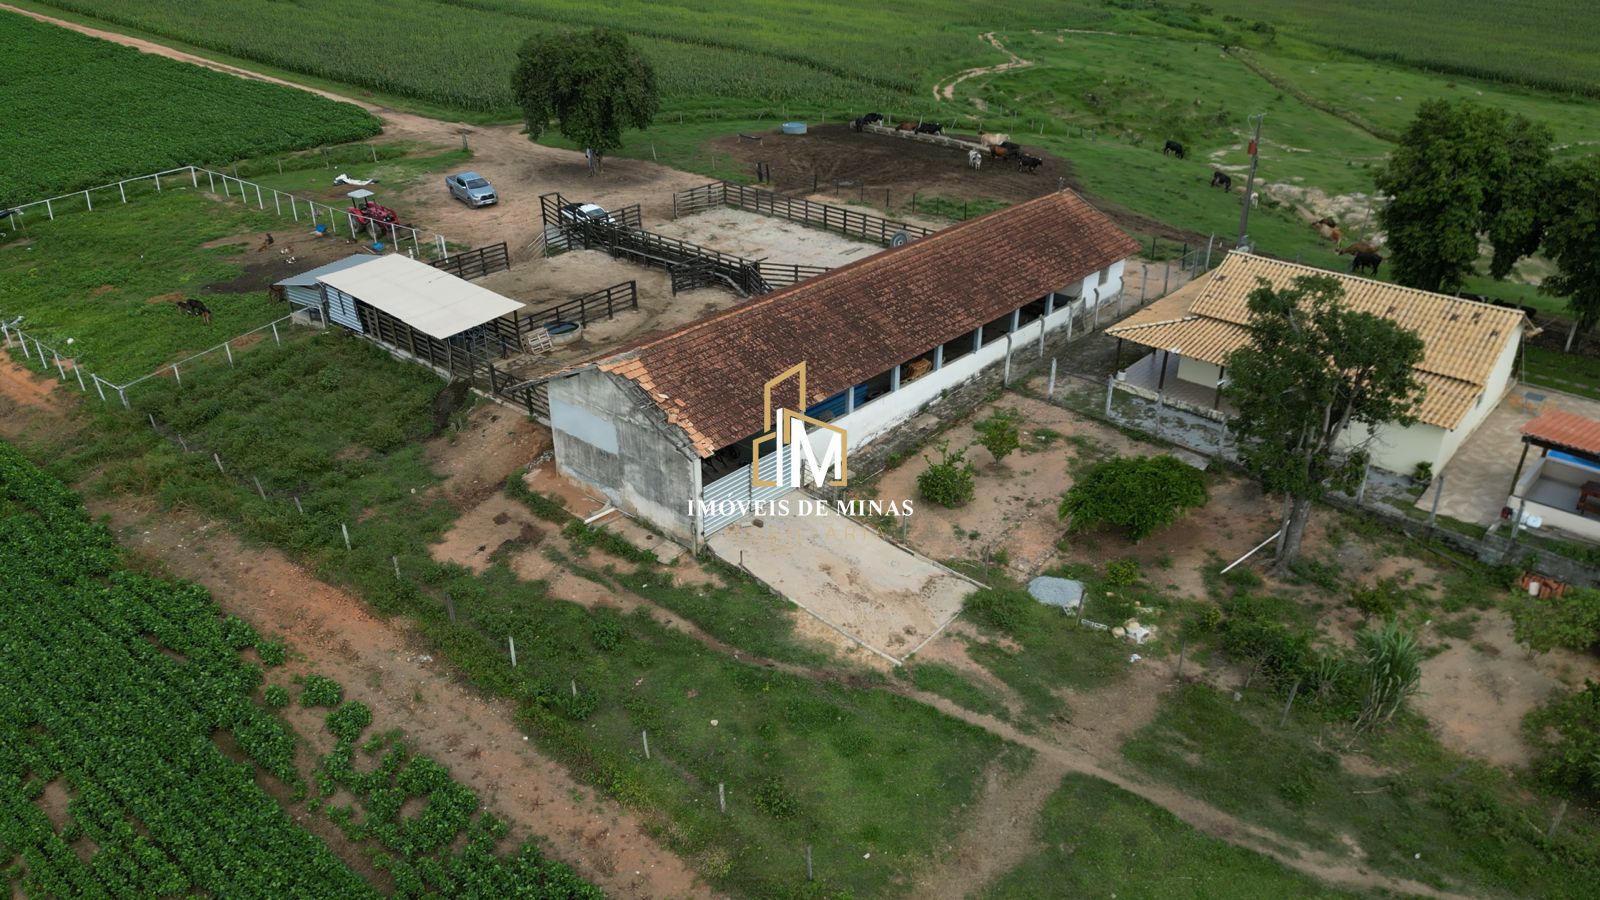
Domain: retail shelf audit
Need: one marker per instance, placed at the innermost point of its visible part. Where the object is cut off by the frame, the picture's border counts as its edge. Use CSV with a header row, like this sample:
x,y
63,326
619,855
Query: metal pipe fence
x,y
249,193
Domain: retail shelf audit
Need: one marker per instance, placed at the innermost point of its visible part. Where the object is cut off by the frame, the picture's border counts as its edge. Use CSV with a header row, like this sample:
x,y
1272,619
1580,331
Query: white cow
x,y
974,159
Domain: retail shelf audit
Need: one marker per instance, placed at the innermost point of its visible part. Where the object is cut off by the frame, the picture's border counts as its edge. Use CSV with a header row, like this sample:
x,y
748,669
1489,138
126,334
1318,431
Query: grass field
x,y
1095,838
113,112
1414,809
91,278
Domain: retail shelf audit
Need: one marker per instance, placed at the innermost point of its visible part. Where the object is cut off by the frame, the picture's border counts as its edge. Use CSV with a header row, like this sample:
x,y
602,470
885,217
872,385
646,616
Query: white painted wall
x,y
1198,371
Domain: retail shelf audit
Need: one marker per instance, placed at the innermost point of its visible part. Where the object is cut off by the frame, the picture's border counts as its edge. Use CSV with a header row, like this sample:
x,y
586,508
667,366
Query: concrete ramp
x,y
884,598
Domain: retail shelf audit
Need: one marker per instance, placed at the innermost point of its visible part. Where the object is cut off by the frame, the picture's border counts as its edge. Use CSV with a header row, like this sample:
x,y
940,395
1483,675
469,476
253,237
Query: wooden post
x,y
1050,387
722,797
450,607
808,863
1438,492
395,561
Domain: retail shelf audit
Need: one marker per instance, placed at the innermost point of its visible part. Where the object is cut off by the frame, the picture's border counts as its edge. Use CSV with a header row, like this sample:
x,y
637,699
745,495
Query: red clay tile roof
x,y
862,319
1563,429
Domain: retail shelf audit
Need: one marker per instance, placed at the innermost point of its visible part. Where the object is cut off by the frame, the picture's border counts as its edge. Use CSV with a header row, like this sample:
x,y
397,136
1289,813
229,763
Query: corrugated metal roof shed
x,y
434,302
309,278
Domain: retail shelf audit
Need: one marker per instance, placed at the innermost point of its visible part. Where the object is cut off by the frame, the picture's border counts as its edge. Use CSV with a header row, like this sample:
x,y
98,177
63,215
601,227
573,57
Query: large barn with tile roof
x,y
666,424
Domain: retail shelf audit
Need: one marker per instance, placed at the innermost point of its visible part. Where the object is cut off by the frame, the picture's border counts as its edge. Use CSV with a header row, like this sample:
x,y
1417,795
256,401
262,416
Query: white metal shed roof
x,y
434,302
309,278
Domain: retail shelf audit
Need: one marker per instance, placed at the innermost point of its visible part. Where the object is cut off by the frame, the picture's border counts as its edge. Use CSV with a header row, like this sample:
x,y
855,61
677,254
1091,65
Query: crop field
x,y
712,57
110,688
1540,43
114,112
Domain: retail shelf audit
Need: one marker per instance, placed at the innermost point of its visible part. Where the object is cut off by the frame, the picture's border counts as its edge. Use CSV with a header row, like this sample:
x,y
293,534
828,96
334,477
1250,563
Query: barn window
x,y
996,329
1032,312
958,348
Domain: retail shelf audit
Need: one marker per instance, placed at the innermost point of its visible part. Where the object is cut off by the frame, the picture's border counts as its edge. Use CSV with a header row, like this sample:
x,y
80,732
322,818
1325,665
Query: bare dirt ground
x,y
1477,692
755,236
1015,509
848,576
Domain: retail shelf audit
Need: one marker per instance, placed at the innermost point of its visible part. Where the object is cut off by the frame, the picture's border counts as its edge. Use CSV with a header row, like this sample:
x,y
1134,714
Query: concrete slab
x,y
883,597
1477,480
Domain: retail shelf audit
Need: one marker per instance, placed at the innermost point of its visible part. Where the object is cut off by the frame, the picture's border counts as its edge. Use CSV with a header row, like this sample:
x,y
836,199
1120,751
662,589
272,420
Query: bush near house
x,y
1139,494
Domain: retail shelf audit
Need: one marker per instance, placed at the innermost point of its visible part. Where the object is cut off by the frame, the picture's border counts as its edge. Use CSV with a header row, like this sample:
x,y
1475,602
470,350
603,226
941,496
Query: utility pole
x,y
1250,182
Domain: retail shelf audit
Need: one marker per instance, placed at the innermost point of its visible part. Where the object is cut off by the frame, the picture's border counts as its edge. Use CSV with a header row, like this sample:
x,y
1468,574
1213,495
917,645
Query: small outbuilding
x,y
304,291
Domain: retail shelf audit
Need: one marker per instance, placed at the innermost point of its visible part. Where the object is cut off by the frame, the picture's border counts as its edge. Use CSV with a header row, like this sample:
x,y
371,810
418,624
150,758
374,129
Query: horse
x,y
1222,180
1029,164
930,128
1174,148
192,307
974,159
1367,261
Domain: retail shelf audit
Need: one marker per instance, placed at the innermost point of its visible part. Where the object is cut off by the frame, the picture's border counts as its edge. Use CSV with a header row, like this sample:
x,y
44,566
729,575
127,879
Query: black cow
x,y
1222,180
868,119
193,307
1029,164
1367,261
930,128
1174,148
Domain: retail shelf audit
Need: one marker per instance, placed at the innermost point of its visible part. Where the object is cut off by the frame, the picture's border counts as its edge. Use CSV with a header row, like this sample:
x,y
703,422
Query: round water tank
x,y
794,128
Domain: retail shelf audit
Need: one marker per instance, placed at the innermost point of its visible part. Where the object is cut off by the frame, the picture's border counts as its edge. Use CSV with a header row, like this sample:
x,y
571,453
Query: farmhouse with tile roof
x,y
669,420
1469,350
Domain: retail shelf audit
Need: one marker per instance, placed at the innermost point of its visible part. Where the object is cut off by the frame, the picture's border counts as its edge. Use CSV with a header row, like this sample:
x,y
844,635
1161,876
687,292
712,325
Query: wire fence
x,y
427,245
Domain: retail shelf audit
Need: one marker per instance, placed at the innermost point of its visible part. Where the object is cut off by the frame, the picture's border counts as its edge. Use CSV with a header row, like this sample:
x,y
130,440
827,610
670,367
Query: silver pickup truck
x,y
472,189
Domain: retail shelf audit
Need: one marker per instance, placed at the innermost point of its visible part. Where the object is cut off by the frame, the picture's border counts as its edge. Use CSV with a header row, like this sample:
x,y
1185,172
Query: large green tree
x,y
1463,172
1572,240
1315,377
593,82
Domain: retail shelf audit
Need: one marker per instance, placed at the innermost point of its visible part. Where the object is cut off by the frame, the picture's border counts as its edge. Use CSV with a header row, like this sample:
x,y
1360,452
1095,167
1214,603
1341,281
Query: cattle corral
x,y
835,162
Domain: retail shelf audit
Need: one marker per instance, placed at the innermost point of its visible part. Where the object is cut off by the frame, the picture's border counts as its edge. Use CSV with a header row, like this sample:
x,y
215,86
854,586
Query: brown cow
x,y
906,126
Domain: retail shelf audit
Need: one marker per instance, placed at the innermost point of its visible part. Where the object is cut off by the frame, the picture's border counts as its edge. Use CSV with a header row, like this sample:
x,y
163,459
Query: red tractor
x,y
379,221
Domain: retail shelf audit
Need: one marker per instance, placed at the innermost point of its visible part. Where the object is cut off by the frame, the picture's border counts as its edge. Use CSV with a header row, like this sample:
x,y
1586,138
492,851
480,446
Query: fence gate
x,y
731,497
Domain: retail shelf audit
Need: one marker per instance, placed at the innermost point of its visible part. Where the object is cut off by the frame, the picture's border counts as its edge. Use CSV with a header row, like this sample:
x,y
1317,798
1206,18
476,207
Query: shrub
x,y
1423,473
775,799
1121,572
1391,669
272,653
606,631
1377,600
1001,608
320,691
1137,493
998,434
947,482
1571,620
237,633
276,696
348,721
1565,736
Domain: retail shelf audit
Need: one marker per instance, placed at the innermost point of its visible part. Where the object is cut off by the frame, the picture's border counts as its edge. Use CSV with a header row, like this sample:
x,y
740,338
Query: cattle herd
x,y
998,146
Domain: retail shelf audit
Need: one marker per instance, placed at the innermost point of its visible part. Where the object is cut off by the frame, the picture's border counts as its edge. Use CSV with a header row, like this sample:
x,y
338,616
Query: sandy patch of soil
x,y
1476,693
476,460
754,236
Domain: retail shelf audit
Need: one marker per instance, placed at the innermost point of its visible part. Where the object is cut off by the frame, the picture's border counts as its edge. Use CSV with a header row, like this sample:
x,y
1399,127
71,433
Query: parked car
x,y
472,189
585,212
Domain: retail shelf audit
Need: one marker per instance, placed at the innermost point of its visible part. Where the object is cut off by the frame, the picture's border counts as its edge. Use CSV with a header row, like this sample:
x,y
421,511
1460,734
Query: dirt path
x,y
946,90
999,834
385,665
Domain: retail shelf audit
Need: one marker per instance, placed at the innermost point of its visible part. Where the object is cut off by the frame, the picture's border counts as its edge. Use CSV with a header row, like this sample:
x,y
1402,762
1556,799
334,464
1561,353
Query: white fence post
x,y
260,202
123,191
88,202
176,376
228,350
49,210
157,177
97,388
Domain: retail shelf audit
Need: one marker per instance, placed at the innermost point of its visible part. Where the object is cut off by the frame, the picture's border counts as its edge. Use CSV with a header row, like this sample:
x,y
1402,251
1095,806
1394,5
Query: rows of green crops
x,y
1539,43
89,695
709,54
80,112
112,688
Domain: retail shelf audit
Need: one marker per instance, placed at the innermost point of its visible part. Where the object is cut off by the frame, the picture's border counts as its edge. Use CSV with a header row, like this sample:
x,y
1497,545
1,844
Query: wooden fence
x,y
477,263
848,222
605,302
